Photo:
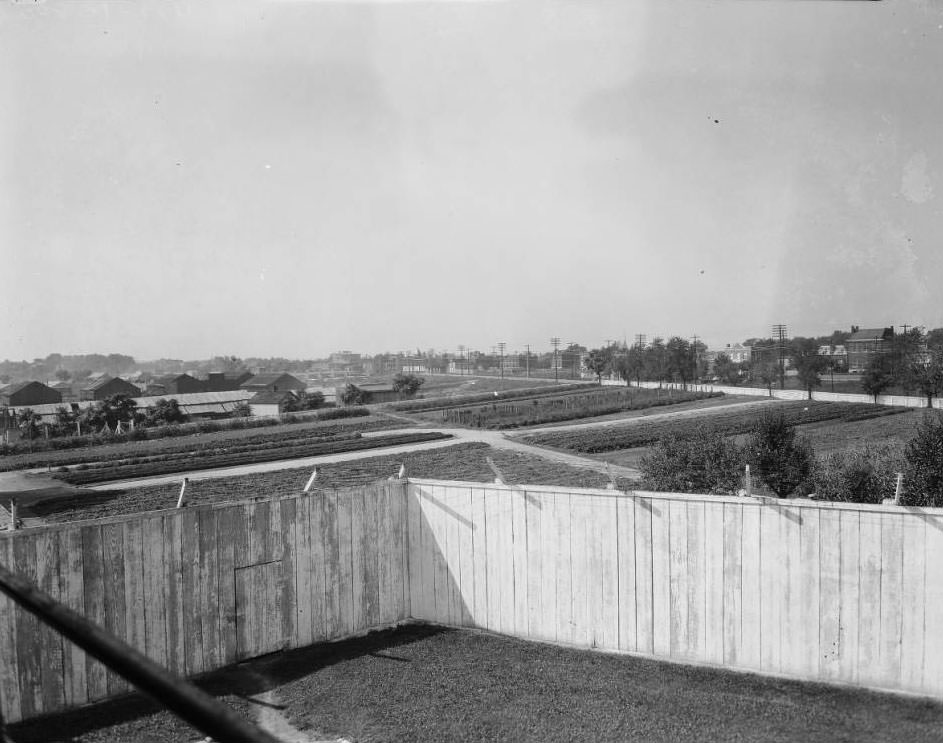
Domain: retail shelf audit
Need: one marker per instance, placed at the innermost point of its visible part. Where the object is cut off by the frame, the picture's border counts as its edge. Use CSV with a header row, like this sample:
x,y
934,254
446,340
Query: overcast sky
x,y
293,178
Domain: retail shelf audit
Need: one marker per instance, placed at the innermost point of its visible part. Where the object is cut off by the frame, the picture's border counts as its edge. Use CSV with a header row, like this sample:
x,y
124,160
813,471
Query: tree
x,y
767,371
111,411
631,364
352,395
304,401
726,369
924,473
781,460
407,385
28,422
878,376
597,361
808,363
164,412
63,375
700,461
927,378
656,361
680,359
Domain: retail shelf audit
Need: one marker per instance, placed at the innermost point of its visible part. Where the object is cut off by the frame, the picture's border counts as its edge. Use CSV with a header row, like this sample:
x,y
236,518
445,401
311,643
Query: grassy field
x,y
458,462
447,385
199,441
459,398
576,404
730,422
429,684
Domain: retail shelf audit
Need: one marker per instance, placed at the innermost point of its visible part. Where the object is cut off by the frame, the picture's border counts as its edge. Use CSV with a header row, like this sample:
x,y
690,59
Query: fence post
x,y
311,479
899,488
748,482
183,489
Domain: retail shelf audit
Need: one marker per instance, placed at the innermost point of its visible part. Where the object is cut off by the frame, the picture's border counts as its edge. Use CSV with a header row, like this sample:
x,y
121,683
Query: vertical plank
x,y
191,591
848,599
173,580
230,524
678,578
628,609
504,517
155,605
50,641
519,508
115,602
453,564
580,585
10,706
913,603
369,585
869,600
773,587
400,499
494,566
334,598
564,558
304,628
892,568
830,575
27,629
288,591
696,577
752,594
260,549
93,580
135,629
607,530
245,624
713,637
733,584
809,572
72,594
482,558
791,626
208,603
438,547
644,585
385,556
466,546
534,508
933,614
414,542
661,577
549,546
345,574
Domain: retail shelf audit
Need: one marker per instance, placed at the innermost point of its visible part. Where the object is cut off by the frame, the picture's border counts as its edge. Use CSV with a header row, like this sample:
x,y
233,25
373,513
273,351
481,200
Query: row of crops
x,y
573,406
441,403
233,456
728,422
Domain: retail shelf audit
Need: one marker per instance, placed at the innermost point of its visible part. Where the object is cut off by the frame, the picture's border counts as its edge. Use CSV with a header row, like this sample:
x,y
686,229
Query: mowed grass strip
x,y
728,422
458,462
225,458
428,684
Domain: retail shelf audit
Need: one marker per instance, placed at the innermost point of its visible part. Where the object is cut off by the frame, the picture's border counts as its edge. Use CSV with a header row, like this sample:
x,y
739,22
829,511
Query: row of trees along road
x,y
913,363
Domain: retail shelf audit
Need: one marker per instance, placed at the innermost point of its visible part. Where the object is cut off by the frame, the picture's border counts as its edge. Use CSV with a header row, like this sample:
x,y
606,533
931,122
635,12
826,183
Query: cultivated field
x,y
201,441
568,405
729,421
459,462
431,684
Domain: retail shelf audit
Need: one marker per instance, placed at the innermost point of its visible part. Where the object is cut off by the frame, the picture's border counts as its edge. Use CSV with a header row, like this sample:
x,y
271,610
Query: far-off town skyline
x,y
294,178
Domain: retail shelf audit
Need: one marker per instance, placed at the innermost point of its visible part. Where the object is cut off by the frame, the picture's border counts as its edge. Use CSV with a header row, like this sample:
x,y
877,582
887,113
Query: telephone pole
x,y
640,340
779,333
695,355
527,360
555,342
501,346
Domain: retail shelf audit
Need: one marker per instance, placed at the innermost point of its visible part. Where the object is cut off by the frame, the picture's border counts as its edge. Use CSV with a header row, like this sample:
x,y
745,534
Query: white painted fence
x,y
826,592
900,400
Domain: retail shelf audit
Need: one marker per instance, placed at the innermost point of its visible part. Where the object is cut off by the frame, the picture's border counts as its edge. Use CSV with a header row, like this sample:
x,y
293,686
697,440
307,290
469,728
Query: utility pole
x,y
779,332
695,356
555,342
461,357
527,360
640,340
502,345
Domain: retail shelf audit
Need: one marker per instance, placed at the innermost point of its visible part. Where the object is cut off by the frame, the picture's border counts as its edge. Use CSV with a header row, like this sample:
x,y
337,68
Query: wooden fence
x,y
202,587
827,592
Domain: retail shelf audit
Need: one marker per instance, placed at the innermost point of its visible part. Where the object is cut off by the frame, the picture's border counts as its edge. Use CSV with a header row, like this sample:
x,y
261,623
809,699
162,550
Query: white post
x,y
183,489
748,482
311,480
12,514
899,488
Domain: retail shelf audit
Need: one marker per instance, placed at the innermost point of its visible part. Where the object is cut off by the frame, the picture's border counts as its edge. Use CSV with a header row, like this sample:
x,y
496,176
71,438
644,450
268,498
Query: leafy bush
x,y
923,475
863,475
782,460
700,461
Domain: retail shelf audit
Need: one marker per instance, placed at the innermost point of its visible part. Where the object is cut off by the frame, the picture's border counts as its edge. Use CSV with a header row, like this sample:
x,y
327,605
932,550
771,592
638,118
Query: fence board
x,y
93,582
678,578
891,582
869,600
519,556
913,603
208,603
50,641
644,595
714,582
732,582
751,599
334,623
535,574
358,557
481,558
773,585
625,546
696,581
344,538
72,594
288,591
229,523
9,679
155,625
830,581
808,572
564,564
661,577
607,546
191,591
115,600
369,579
466,550
933,615
453,555
848,598
173,582
581,570
27,628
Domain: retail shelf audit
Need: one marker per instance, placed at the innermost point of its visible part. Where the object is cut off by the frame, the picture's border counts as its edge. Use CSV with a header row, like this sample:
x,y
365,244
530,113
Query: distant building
x,y
177,384
225,381
372,393
273,382
25,394
270,403
345,362
108,386
864,345
837,355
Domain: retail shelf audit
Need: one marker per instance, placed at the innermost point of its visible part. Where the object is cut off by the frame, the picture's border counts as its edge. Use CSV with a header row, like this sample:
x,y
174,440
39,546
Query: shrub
x,y
701,461
864,475
782,460
923,475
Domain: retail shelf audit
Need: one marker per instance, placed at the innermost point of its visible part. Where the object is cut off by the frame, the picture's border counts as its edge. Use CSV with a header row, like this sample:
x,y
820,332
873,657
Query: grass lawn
x,y
429,684
458,462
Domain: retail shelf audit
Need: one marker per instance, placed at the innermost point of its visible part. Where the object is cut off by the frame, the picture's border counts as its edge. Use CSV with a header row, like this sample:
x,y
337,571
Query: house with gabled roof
x,y
108,386
273,382
865,344
25,394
